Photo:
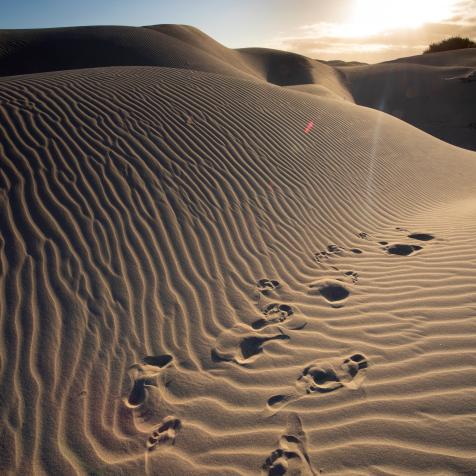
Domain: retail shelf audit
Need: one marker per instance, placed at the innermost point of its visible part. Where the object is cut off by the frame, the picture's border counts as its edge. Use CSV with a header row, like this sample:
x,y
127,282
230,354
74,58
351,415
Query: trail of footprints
x,y
330,375
242,344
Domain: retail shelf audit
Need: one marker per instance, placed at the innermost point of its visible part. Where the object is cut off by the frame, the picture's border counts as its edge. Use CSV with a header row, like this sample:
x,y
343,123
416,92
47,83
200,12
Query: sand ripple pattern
x,y
152,215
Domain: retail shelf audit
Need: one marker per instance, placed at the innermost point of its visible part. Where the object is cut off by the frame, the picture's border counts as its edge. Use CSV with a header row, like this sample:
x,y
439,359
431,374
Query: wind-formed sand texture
x,y
195,281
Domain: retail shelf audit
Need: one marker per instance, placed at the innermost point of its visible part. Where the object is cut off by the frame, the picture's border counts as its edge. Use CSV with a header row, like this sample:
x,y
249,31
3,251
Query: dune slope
x,y
175,46
434,92
192,284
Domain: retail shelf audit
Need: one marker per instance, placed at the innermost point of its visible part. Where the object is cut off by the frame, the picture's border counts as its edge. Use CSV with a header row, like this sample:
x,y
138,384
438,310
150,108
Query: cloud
x,y
328,41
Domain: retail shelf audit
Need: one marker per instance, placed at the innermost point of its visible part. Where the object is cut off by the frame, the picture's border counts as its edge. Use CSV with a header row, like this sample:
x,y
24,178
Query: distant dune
x,y
216,262
434,92
426,90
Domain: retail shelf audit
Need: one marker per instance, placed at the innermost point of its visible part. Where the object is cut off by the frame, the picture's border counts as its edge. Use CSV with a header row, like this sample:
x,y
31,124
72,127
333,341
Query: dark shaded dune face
x,y
285,69
427,91
74,48
57,49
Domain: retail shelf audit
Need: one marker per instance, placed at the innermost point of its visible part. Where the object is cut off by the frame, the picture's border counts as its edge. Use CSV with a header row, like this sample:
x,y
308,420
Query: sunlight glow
x,y
373,16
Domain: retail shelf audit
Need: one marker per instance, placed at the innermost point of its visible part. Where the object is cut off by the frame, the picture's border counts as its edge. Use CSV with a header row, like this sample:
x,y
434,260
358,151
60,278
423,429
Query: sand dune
x,y
194,281
428,91
434,92
176,46
463,57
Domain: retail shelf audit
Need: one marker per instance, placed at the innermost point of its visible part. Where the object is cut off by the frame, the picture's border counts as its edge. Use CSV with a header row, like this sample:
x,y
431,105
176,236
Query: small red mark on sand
x,y
309,126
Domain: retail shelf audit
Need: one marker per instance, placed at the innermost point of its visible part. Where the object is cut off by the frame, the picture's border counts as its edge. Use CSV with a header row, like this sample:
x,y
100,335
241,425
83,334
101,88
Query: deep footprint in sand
x,y
417,236
165,433
138,392
402,249
333,291
324,377
328,377
265,285
331,250
291,455
240,345
274,314
352,275
160,361
421,236
144,375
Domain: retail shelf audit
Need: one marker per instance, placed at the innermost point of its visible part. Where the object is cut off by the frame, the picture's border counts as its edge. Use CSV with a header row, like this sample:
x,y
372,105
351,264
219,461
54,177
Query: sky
x,y
351,30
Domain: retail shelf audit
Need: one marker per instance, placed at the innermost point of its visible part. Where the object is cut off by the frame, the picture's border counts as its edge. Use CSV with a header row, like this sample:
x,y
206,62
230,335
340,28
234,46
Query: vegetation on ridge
x,y
453,43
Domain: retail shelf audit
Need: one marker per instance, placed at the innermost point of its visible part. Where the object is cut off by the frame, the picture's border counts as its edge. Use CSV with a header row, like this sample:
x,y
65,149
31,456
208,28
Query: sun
x,y
373,16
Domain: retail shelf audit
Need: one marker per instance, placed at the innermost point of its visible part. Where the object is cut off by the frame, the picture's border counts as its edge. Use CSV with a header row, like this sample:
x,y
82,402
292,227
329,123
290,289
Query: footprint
x,y
165,433
158,360
421,236
274,314
276,400
282,309
332,291
144,375
363,235
331,250
265,285
320,255
138,392
352,275
357,251
402,249
291,455
327,377
279,314
242,346
324,377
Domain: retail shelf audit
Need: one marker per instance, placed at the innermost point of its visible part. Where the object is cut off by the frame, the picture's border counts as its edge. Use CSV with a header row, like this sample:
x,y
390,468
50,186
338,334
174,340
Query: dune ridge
x,y
433,92
193,284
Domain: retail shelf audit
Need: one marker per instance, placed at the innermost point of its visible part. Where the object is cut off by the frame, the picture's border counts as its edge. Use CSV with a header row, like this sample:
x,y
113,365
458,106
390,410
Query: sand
x,y
434,92
203,273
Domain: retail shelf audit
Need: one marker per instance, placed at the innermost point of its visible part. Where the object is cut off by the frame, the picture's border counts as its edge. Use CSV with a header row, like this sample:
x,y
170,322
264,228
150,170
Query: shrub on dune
x,y
453,43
